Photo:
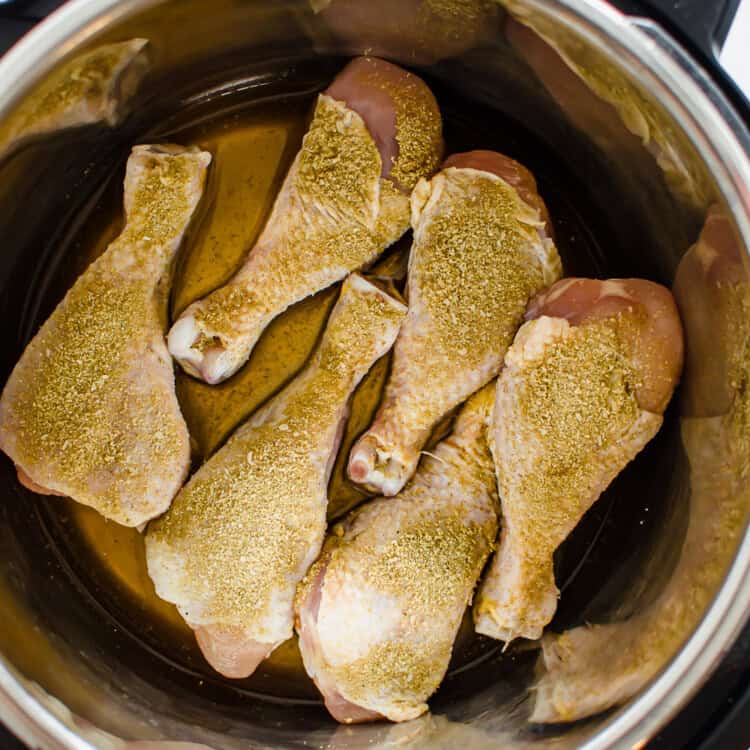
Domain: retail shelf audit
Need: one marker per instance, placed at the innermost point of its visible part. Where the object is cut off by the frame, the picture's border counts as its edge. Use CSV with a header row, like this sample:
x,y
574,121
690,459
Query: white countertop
x,y
735,55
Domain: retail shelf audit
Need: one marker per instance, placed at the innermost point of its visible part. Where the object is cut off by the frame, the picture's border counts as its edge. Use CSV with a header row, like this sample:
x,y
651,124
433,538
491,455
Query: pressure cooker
x,y
634,133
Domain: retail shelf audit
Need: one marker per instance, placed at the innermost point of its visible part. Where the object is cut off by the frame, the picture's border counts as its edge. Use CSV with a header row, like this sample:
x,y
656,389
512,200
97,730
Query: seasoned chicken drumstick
x,y
378,613
90,409
244,530
376,131
481,250
593,667
583,390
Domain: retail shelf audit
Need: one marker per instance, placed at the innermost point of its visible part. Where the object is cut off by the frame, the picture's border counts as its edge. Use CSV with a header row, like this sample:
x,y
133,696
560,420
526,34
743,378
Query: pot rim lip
x,y
692,98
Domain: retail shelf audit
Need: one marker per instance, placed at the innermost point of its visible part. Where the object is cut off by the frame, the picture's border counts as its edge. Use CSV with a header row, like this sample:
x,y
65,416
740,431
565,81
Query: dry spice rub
x,y
475,261
89,410
566,421
338,221
401,572
419,133
243,531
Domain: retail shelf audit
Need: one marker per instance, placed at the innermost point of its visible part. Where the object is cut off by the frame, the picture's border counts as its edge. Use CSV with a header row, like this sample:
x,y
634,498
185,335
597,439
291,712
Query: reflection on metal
x,y
592,668
78,726
93,87
411,31
683,170
428,732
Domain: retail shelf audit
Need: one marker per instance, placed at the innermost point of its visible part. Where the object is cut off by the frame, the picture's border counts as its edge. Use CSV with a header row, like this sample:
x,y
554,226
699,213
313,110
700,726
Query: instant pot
x,y
634,133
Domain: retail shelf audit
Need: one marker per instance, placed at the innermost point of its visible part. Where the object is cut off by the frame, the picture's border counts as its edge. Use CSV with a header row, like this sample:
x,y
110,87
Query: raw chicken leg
x,y
375,132
594,667
583,390
90,410
481,250
378,612
244,530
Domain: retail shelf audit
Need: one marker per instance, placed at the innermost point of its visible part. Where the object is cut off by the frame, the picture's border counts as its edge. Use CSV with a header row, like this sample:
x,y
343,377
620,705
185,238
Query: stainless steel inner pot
x,y
643,144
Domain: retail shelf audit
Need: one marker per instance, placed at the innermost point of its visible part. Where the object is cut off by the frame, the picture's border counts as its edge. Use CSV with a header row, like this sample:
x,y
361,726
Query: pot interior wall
x,y
77,638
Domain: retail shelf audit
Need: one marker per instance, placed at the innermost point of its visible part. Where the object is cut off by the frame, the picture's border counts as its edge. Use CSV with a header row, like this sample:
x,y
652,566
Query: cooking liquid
x,y
253,145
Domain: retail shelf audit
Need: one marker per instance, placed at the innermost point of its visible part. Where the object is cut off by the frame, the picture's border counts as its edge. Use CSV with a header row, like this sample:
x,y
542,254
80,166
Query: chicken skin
x,y
585,385
244,530
481,250
591,668
90,409
376,131
378,613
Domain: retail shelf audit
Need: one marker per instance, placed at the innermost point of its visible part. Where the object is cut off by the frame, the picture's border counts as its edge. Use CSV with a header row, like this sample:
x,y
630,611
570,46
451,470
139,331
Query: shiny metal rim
x,y
688,94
